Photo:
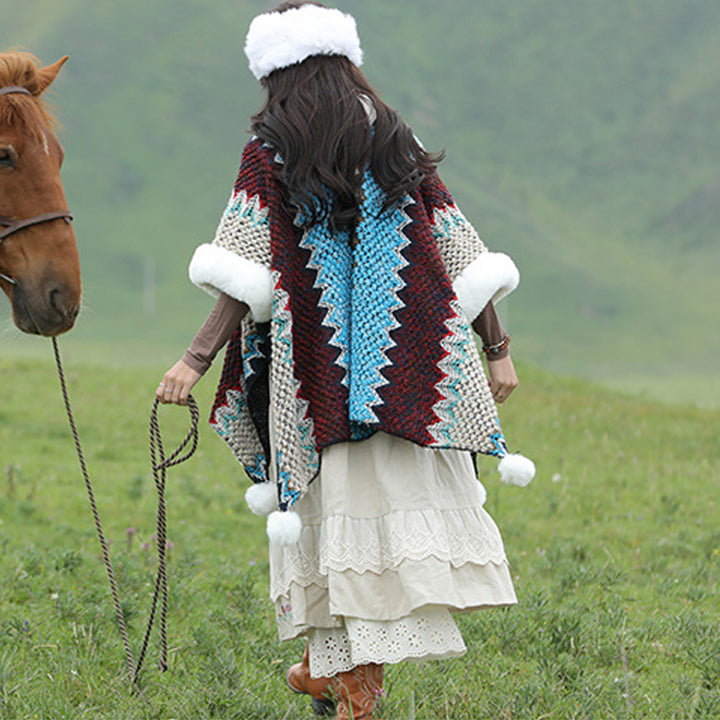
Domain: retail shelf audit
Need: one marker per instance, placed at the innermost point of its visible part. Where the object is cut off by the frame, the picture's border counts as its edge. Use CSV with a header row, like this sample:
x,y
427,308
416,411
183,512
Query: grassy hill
x,y
614,550
583,138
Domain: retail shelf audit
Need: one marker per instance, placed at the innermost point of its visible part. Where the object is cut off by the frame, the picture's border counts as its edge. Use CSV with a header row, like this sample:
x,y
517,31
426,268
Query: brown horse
x,y
39,264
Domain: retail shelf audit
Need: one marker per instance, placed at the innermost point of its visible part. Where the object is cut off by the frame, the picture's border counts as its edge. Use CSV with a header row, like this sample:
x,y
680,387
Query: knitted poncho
x,y
344,338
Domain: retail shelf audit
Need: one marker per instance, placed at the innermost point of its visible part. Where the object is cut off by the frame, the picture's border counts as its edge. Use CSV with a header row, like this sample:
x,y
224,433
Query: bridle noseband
x,y
11,226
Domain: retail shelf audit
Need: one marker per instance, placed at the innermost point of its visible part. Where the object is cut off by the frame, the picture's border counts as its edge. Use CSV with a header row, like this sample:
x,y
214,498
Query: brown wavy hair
x,y
314,119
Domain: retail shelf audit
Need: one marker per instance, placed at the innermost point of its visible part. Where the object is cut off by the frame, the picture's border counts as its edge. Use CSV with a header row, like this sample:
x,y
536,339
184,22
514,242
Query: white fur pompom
x,y
284,528
516,469
262,498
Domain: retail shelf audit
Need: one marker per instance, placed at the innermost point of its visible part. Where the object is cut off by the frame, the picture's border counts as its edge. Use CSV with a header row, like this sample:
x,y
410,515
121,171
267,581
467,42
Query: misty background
x,y
582,138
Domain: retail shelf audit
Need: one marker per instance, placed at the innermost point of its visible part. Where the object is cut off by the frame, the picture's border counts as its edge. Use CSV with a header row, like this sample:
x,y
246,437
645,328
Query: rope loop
x,y
156,446
159,468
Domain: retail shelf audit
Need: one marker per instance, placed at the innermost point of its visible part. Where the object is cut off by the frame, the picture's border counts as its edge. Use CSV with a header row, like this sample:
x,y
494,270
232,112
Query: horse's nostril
x,y
56,300
61,302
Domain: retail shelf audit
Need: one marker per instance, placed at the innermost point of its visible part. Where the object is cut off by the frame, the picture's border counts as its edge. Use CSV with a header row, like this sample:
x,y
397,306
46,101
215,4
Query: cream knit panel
x,y
296,456
244,229
467,410
457,240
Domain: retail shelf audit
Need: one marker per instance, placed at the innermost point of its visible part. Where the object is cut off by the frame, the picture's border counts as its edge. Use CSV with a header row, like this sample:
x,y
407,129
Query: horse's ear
x,y
47,75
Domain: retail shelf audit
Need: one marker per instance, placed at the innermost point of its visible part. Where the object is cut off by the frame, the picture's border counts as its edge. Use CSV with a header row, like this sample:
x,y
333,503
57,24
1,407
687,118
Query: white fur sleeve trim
x,y
491,276
216,270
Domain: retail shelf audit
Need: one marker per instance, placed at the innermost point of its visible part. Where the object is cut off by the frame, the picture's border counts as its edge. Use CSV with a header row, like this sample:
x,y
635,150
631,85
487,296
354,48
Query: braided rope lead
x,y
159,468
160,464
91,495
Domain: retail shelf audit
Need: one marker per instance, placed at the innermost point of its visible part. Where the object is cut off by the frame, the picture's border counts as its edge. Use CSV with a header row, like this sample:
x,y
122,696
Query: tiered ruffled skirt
x,y
394,540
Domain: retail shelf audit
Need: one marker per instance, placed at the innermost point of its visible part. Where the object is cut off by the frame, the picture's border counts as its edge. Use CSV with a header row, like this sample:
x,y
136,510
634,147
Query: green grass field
x,y
582,138
615,550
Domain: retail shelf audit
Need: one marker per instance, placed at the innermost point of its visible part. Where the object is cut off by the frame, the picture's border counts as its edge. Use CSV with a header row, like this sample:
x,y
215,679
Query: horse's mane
x,y
22,69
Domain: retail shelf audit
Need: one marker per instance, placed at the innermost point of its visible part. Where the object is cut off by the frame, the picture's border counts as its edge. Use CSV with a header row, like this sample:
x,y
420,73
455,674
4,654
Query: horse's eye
x,y
8,157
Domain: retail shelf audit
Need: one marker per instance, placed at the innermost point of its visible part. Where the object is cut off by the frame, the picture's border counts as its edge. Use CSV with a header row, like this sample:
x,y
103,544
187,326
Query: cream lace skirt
x,y
394,539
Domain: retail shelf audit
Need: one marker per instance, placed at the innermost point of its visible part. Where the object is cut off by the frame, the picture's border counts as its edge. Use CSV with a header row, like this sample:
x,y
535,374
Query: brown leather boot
x,y
299,681
357,691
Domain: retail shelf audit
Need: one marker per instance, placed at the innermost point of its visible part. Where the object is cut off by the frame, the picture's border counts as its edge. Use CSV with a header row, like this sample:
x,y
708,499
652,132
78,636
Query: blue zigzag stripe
x,y
235,406
257,472
376,283
288,497
253,353
498,440
331,258
248,208
463,339
445,221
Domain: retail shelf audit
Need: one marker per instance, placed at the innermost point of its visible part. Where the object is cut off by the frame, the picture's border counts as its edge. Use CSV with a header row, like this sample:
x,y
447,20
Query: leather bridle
x,y
11,226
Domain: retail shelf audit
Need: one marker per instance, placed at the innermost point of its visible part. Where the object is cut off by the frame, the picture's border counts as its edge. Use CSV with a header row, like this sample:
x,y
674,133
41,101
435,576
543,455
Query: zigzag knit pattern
x,y
364,337
376,281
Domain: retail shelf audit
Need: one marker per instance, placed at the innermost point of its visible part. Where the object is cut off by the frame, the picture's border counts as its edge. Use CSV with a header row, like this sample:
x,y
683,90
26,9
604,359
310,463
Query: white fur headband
x,y
276,40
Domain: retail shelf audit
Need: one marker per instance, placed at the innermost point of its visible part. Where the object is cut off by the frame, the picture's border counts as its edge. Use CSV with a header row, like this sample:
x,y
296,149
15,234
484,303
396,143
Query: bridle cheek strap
x,y
12,226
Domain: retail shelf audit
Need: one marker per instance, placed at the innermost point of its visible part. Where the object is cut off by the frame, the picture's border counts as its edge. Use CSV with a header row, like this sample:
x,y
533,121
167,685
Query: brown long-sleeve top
x,y
228,312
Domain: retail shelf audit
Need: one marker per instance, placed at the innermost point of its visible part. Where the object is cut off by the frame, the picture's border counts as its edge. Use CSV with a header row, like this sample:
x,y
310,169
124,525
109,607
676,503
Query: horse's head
x,y
39,264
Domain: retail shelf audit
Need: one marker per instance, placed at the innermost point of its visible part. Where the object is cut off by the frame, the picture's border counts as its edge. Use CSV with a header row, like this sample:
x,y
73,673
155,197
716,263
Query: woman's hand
x,y
503,379
175,387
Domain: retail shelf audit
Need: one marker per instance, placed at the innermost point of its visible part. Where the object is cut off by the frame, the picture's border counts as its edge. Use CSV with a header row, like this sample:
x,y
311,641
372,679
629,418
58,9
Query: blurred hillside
x,y
581,138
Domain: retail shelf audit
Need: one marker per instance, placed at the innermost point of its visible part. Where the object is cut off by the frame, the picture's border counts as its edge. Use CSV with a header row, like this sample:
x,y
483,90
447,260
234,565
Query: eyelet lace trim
x,y
427,633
